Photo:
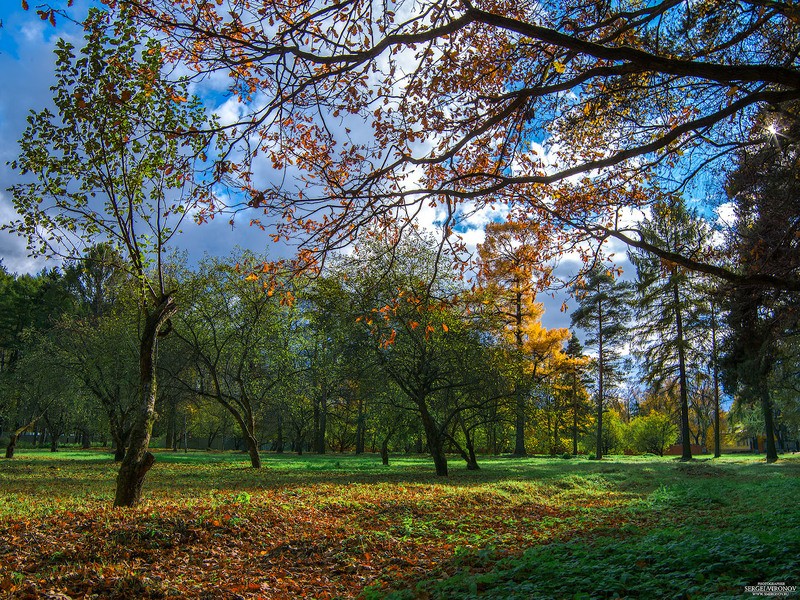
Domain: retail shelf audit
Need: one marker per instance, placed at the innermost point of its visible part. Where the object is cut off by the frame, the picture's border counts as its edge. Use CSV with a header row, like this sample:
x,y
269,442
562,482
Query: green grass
x,y
624,527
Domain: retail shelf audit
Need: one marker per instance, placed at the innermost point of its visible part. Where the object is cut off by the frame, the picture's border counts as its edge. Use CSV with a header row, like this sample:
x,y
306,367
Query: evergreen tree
x,y
604,309
666,302
765,240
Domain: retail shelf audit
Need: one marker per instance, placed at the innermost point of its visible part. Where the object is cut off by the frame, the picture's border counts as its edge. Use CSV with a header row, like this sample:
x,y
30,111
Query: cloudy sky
x,y
26,74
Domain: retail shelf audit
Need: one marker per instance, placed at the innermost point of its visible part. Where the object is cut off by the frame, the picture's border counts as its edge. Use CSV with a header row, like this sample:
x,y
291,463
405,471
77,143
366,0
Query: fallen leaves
x,y
323,539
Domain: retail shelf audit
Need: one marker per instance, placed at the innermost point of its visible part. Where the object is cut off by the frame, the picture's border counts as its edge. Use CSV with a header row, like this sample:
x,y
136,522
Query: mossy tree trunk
x,y
138,459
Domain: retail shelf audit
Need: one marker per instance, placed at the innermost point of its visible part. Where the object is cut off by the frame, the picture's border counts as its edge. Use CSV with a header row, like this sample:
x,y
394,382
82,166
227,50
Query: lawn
x,y
343,526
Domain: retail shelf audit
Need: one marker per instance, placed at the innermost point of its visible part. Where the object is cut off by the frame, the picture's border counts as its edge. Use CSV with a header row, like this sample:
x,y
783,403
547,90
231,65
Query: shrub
x,y
653,433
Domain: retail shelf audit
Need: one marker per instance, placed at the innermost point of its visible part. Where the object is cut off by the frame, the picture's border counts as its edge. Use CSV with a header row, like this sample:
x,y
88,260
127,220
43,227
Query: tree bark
x,y
12,441
138,459
385,449
252,450
12,445
435,439
769,422
119,444
361,427
248,433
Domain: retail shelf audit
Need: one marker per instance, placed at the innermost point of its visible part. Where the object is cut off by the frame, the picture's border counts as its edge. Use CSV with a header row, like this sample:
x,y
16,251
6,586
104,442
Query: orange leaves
x,y
389,341
315,538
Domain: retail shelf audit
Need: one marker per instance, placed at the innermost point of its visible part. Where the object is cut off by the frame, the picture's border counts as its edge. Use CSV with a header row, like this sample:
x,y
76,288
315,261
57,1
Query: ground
x,y
343,526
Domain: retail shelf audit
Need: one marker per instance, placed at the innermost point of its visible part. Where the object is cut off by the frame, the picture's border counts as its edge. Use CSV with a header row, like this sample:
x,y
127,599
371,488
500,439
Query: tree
x,y
98,344
455,92
510,271
113,165
603,312
573,381
237,339
652,433
45,392
29,306
422,338
665,298
766,239
337,354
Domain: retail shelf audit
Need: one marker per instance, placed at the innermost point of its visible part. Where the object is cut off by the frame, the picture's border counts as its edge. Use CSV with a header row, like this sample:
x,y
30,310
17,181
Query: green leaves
x,y
110,163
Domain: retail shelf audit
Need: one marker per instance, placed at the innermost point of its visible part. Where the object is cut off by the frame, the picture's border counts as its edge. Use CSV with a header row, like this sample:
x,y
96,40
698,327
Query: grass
x,y
342,526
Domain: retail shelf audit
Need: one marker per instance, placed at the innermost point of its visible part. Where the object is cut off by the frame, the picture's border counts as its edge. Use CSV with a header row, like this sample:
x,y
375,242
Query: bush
x,y
653,433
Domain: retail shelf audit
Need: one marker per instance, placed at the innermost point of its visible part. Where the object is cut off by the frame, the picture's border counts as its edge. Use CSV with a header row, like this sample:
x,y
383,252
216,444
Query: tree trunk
x,y
717,441
769,423
119,443
472,460
600,373
248,428
686,439
469,456
86,440
12,441
138,459
385,450
212,435
279,443
361,429
320,420
252,450
12,445
435,440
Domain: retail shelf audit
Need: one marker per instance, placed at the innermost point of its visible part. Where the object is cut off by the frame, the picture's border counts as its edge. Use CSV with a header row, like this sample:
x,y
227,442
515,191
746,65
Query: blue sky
x,y
26,74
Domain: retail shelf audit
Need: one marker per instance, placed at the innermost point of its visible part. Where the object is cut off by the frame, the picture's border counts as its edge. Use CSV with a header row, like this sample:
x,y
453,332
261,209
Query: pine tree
x,y
667,331
603,312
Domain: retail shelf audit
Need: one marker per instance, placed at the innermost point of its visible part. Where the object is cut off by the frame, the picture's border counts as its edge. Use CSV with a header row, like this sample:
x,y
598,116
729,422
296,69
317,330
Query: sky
x,y
26,74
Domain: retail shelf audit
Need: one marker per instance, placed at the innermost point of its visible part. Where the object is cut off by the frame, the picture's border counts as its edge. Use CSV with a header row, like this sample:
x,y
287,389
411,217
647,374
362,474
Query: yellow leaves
x,y
559,67
251,277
